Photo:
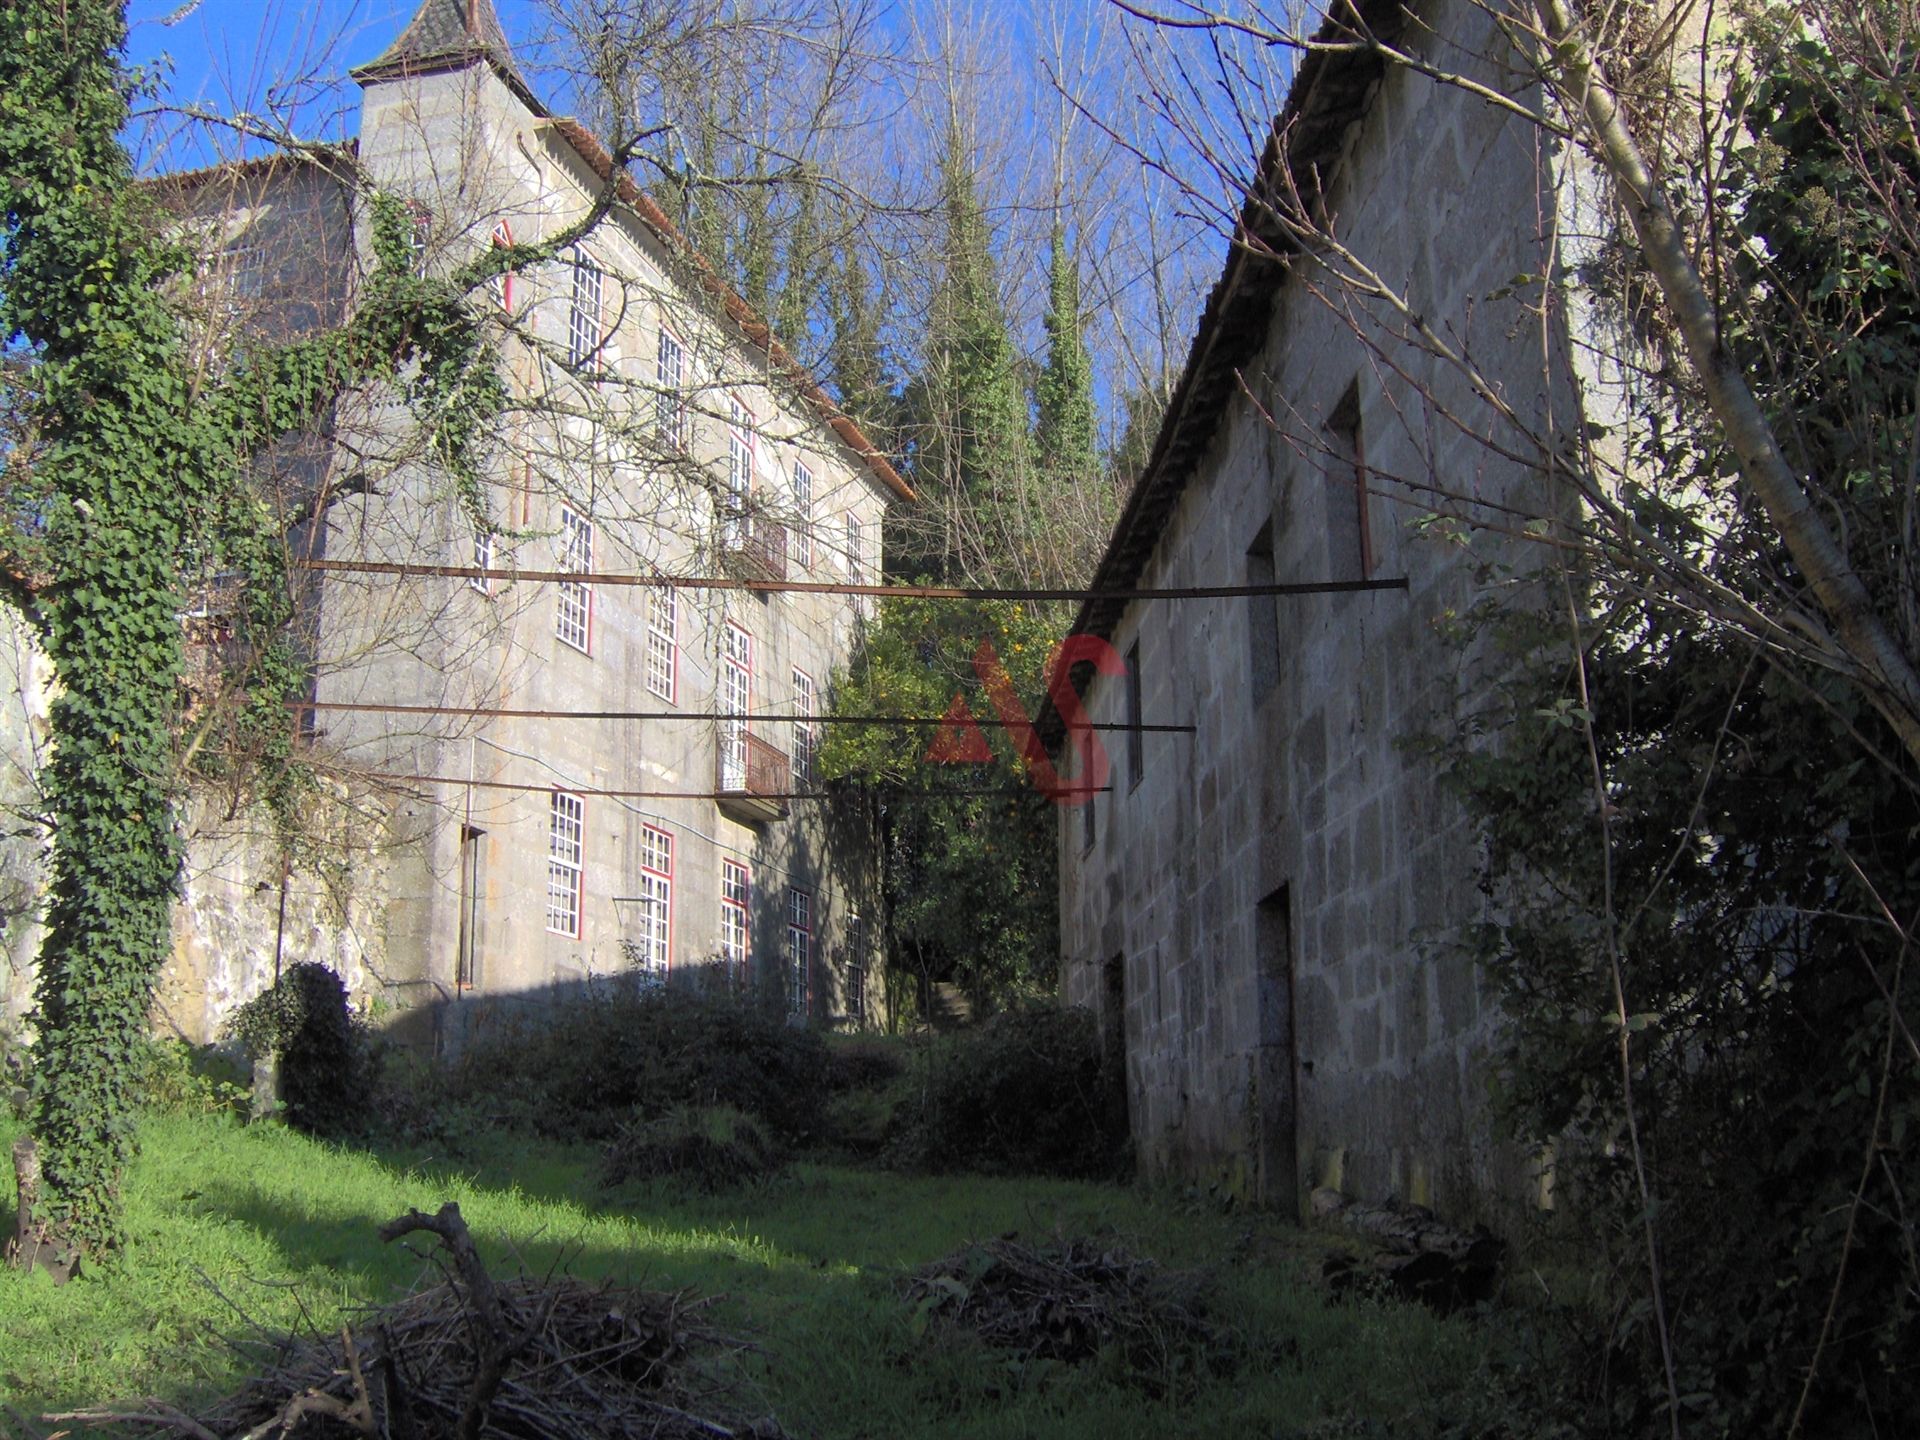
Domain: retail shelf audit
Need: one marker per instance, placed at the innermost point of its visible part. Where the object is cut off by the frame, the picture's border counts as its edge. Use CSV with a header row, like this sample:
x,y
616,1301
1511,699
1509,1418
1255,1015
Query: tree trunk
x,y
33,1245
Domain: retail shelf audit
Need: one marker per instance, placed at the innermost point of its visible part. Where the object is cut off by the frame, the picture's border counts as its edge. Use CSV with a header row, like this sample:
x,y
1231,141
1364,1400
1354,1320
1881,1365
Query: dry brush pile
x,y
533,1358
1079,1301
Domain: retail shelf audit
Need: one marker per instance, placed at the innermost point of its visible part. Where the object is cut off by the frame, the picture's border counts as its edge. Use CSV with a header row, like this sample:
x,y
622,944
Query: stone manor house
x,y
1260,911
482,836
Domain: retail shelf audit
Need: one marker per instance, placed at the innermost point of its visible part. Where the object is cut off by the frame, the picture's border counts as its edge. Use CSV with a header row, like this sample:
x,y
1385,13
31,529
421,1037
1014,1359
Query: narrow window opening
x,y
1136,738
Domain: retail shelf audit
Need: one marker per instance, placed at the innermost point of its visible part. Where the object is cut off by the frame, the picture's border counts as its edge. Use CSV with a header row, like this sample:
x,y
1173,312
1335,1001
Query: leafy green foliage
x,y
306,1024
952,858
1755,826
708,1148
1028,1092
586,1068
1063,395
140,460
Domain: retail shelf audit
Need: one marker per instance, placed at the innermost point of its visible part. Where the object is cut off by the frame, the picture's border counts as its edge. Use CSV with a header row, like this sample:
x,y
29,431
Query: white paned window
x,y
736,894
856,555
733,522
573,619
656,898
670,401
566,855
799,949
802,533
806,736
856,969
736,694
663,643
583,320
482,559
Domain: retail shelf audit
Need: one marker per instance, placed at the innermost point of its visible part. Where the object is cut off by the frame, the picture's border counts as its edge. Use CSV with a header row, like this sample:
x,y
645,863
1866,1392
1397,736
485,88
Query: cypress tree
x,y
1064,435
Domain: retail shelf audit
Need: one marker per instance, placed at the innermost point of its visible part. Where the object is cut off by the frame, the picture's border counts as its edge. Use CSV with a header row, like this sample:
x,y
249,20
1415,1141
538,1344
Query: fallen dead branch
x,y
475,1358
1078,1301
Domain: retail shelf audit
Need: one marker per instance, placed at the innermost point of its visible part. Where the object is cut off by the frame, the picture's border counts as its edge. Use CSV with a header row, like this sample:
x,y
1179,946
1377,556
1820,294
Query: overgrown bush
x,y
306,1025
583,1068
1026,1092
863,1062
188,1079
708,1148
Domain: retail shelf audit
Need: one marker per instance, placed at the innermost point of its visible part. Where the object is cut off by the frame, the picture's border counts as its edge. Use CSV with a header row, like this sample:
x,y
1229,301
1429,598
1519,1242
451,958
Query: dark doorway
x,y
1275,1097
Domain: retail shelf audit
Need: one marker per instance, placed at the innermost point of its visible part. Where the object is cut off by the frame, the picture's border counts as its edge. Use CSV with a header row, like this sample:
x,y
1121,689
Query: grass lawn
x,y
225,1218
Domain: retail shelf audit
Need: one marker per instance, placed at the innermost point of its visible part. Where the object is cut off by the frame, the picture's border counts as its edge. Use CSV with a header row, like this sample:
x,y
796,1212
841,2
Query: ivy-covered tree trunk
x,y
116,473
1063,396
136,459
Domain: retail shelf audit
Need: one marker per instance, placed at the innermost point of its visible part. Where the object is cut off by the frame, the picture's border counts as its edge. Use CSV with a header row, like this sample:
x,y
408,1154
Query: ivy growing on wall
x,y
135,460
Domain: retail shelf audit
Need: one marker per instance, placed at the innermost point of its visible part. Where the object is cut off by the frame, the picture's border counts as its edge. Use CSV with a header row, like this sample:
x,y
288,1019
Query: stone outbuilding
x,y
1261,910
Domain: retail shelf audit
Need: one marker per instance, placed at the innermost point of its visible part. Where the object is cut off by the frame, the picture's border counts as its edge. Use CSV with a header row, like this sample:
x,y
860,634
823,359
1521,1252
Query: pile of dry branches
x,y
1076,1301
535,1358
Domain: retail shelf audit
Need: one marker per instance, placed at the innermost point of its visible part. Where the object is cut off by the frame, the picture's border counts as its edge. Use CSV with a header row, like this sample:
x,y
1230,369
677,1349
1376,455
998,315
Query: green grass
x,y
225,1218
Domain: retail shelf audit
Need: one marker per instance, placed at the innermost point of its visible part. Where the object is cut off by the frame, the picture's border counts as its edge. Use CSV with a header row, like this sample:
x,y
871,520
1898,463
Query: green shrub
x,y
864,1062
583,1068
708,1148
184,1079
1027,1092
306,1023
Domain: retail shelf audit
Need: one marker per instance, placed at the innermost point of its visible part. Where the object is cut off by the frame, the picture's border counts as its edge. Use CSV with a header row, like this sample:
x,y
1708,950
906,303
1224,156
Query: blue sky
x,y
231,55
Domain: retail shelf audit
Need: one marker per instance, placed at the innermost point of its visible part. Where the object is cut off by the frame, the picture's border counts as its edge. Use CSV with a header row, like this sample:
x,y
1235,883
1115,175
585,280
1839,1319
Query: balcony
x,y
752,778
752,546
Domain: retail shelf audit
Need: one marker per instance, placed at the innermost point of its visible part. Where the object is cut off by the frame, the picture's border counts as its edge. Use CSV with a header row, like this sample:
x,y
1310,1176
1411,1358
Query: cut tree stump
x,y
1420,1257
32,1246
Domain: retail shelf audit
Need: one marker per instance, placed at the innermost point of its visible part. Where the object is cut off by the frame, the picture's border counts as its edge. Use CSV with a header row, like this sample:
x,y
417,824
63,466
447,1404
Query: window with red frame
x,y
806,735
506,288
656,897
573,616
663,643
566,862
736,896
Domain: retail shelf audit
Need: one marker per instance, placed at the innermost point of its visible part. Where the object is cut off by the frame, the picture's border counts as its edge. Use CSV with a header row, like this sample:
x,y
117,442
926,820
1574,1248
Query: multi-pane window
x,y
573,620
802,532
856,562
806,735
669,400
663,643
566,855
656,898
736,693
736,894
505,284
733,522
856,969
482,559
583,320
799,948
